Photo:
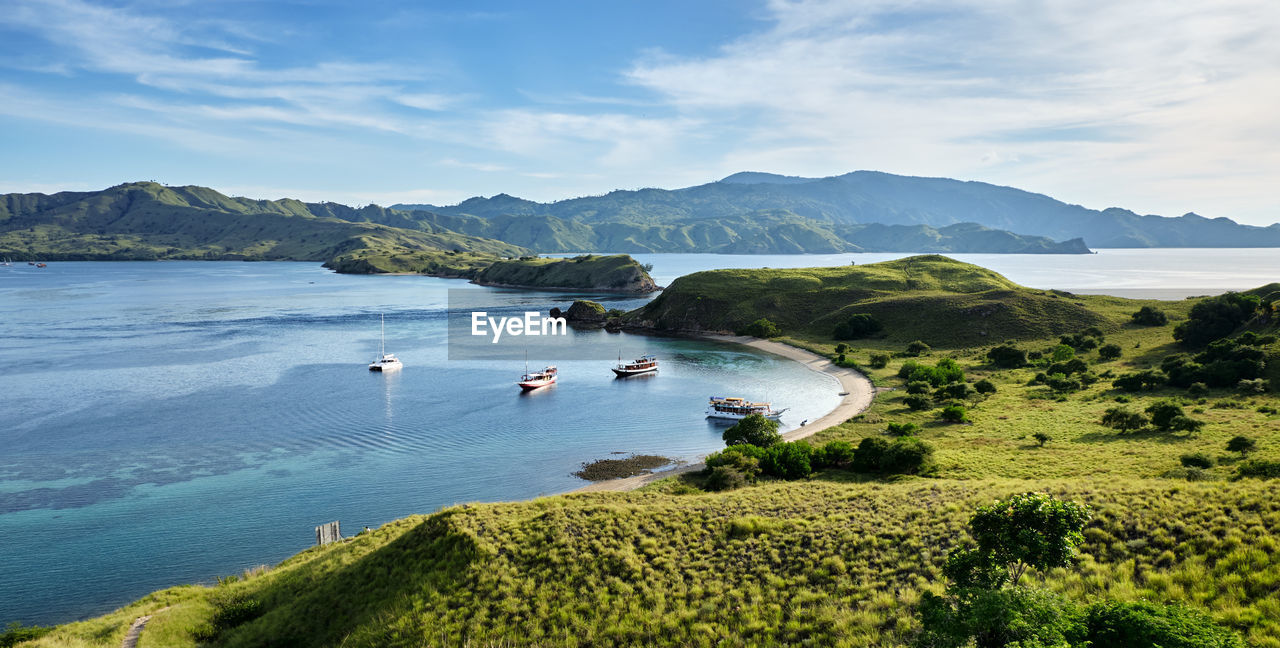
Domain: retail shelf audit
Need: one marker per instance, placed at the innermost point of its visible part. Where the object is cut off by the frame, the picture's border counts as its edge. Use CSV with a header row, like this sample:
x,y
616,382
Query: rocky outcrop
x,y
615,273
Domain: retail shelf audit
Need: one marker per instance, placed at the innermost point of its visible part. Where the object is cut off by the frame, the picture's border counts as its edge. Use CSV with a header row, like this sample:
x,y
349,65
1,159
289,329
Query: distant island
x,y
764,212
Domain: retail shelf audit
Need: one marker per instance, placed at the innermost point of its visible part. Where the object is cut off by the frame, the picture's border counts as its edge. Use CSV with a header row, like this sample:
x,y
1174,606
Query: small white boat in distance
x,y
643,364
537,379
386,361
736,409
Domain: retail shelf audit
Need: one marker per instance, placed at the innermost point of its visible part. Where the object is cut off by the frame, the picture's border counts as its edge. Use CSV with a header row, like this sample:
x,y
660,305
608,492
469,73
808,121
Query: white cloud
x,y
1092,101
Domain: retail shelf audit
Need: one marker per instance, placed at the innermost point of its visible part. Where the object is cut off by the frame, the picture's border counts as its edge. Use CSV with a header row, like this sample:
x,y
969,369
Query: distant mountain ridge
x,y
872,197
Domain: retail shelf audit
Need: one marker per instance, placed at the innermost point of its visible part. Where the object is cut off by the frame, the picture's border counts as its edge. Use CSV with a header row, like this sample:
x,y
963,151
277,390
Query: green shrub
x,y
1215,318
1124,419
724,478
744,459
788,460
1242,444
1148,316
1109,351
1062,383
761,328
1041,438
1141,381
1168,416
985,386
16,633
917,402
1007,356
835,454
918,348
1003,618
754,430
902,429
958,391
879,360
1143,624
919,387
1196,460
857,326
1259,468
1197,389
954,414
906,455
1253,386
1062,353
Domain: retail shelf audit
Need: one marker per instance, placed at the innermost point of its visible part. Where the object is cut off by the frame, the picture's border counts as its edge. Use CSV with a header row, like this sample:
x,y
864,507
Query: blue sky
x,y
1161,107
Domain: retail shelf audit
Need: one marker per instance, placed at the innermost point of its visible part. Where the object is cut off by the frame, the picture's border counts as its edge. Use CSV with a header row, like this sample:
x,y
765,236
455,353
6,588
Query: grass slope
x,y
932,298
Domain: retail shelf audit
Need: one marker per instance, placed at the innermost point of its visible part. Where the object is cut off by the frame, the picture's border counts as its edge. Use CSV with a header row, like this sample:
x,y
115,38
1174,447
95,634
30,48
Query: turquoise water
x,y
166,423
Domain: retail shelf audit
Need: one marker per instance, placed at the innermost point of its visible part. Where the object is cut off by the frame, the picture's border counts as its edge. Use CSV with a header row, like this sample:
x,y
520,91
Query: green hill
x,y
146,220
871,197
616,273
931,298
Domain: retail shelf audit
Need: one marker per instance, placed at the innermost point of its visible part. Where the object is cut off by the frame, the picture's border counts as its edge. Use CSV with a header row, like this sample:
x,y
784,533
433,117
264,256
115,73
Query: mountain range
x,y
840,206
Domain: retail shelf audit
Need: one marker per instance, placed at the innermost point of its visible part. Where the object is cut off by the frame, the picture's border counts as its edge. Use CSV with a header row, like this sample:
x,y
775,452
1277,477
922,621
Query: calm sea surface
x,y
163,423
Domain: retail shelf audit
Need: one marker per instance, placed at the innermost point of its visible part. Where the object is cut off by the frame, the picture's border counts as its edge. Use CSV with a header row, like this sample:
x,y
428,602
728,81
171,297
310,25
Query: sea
x,y
165,423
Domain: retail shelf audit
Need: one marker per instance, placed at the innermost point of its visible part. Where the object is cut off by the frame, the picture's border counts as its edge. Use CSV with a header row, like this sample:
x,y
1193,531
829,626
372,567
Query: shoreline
x,y
857,387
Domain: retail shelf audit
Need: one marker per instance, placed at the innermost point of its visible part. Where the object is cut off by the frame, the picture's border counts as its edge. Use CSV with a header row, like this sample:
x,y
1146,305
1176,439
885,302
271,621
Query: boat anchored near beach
x,y
642,365
736,409
386,362
536,379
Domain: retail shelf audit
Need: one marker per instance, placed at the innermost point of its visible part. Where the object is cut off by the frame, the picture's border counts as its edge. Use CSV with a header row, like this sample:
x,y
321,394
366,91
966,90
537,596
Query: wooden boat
x,y
537,379
642,365
736,409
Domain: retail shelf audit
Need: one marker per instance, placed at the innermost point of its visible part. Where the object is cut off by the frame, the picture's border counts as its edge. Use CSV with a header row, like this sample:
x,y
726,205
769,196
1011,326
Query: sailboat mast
x,y
384,334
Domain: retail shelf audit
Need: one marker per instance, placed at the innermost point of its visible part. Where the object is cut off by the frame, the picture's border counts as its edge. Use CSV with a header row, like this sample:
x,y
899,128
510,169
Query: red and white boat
x,y
642,365
736,409
537,379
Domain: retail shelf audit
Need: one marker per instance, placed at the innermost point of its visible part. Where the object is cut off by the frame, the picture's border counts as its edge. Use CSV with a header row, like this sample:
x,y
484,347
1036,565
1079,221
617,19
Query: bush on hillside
x,y
761,328
745,459
1196,460
753,430
902,429
1254,386
879,360
1007,357
1215,318
835,454
857,326
1145,380
1258,468
1062,383
954,414
918,348
1124,419
919,387
1242,444
724,478
791,460
1081,342
1148,316
985,386
945,371
1112,624
917,402
16,633
1109,351
1061,353
1168,416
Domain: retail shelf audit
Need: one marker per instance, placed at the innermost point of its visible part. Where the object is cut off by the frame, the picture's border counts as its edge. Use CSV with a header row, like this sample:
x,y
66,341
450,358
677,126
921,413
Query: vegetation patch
x,y
603,469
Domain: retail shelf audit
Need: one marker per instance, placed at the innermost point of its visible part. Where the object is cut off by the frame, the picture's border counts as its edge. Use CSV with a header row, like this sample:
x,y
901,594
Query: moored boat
x,y
643,364
536,379
386,361
736,409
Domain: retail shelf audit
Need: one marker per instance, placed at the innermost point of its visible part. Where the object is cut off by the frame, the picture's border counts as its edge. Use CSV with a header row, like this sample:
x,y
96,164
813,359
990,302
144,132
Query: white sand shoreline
x,y
857,387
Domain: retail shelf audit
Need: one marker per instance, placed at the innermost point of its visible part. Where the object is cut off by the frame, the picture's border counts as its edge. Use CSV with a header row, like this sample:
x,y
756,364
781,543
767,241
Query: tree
x,y
1109,351
761,328
1031,530
1062,383
917,402
1148,316
879,360
985,386
1007,356
1243,445
1041,438
1215,318
857,326
917,348
842,348
753,430
1168,416
1062,353
919,387
954,414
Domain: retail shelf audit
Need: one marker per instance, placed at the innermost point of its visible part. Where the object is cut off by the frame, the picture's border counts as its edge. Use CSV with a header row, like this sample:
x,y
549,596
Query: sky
x,y
1160,107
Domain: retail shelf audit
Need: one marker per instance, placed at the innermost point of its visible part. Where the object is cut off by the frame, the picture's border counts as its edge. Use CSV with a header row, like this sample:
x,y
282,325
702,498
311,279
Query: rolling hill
x,y
862,198
145,220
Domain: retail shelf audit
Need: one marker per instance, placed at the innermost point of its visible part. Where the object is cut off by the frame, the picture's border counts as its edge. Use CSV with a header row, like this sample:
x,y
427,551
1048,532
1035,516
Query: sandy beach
x,y
858,389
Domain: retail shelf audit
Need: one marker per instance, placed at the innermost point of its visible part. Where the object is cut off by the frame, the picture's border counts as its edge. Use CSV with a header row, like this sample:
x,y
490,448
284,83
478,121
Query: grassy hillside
x,y
838,558
149,221
932,298
616,273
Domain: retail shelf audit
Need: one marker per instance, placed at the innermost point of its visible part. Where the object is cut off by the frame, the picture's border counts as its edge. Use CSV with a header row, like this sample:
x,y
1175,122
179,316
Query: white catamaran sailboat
x,y
736,409
386,361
